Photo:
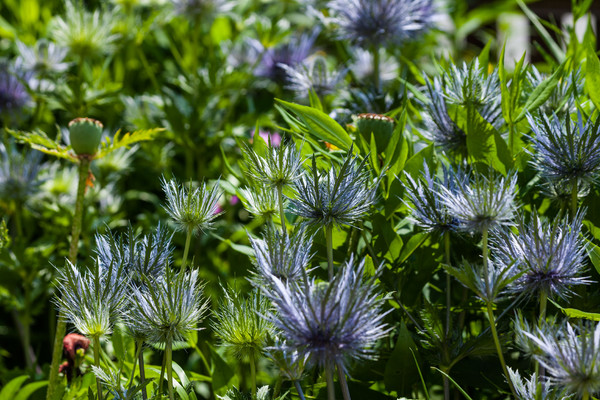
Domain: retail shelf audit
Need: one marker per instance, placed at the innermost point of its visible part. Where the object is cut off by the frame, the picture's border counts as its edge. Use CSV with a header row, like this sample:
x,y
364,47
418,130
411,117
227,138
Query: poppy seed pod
x,y
380,126
85,135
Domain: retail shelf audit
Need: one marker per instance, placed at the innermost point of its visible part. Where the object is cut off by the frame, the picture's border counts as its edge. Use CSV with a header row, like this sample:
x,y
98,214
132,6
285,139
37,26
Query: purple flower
x,y
13,94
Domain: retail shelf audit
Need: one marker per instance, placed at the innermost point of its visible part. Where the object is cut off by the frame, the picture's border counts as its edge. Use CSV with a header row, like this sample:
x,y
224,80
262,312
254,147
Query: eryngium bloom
x,y
313,75
45,58
91,300
142,257
335,198
192,209
240,325
260,201
441,129
375,23
551,254
567,152
202,8
13,94
291,54
471,85
481,203
278,167
168,308
425,201
534,388
332,323
283,256
18,174
571,356
290,363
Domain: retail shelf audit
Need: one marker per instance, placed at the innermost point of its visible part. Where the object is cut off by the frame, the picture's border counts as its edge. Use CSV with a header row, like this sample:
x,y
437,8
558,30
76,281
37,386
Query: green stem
x,y
586,396
142,370
343,383
138,348
329,377
146,66
96,340
543,305
61,326
253,373
299,389
281,211
169,366
162,373
329,241
448,282
18,221
574,197
490,314
376,63
484,246
186,250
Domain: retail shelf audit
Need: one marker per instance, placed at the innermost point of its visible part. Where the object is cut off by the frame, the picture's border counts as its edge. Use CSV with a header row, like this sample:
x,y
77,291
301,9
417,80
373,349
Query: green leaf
x,y
315,102
413,244
455,384
594,254
574,313
400,372
557,52
29,389
38,140
320,124
414,165
10,390
592,76
126,140
542,92
221,372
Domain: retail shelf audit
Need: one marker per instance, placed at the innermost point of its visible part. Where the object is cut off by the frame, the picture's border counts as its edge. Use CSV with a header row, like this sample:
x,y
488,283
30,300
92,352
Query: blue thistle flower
x,y
13,93
19,172
333,322
203,8
535,388
375,23
550,253
567,152
335,198
283,256
279,167
92,300
142,257
481,203
260,201
166,309
571,356
192,209
313,75
441,129
425,201
292,53
45,58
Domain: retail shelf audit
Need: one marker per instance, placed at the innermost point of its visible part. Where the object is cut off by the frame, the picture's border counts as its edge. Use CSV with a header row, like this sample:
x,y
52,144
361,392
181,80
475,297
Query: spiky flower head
x,y
481,203
166,309
281,255
571,356
522,325
142,257
566,151
13,93
260,201
240,324
19,172
43,59
291,363
278,167
290,53
92,300
375,23
425,200
192,208
534,388
340,196
551,254
362,65
440,128
331,323
472,86
313,75
202,8
85,34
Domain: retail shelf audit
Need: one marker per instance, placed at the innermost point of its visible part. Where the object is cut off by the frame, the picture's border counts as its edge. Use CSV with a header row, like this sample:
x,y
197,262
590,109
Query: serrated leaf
x,y
126,140
320,124
38,140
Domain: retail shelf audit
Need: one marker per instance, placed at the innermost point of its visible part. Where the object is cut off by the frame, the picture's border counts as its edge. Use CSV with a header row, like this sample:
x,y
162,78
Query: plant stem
x,y
586,396
343,383
543,304
281,211
169,366
490,314
376,63
574,196
162,373
329,378
142,370
138,348
448,282
329,241
96,339
299,389
61,326
253,373
186,249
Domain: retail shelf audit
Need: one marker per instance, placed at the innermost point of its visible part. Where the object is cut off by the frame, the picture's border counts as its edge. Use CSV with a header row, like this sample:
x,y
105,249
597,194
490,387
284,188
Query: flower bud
x,y
380,126
85,135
